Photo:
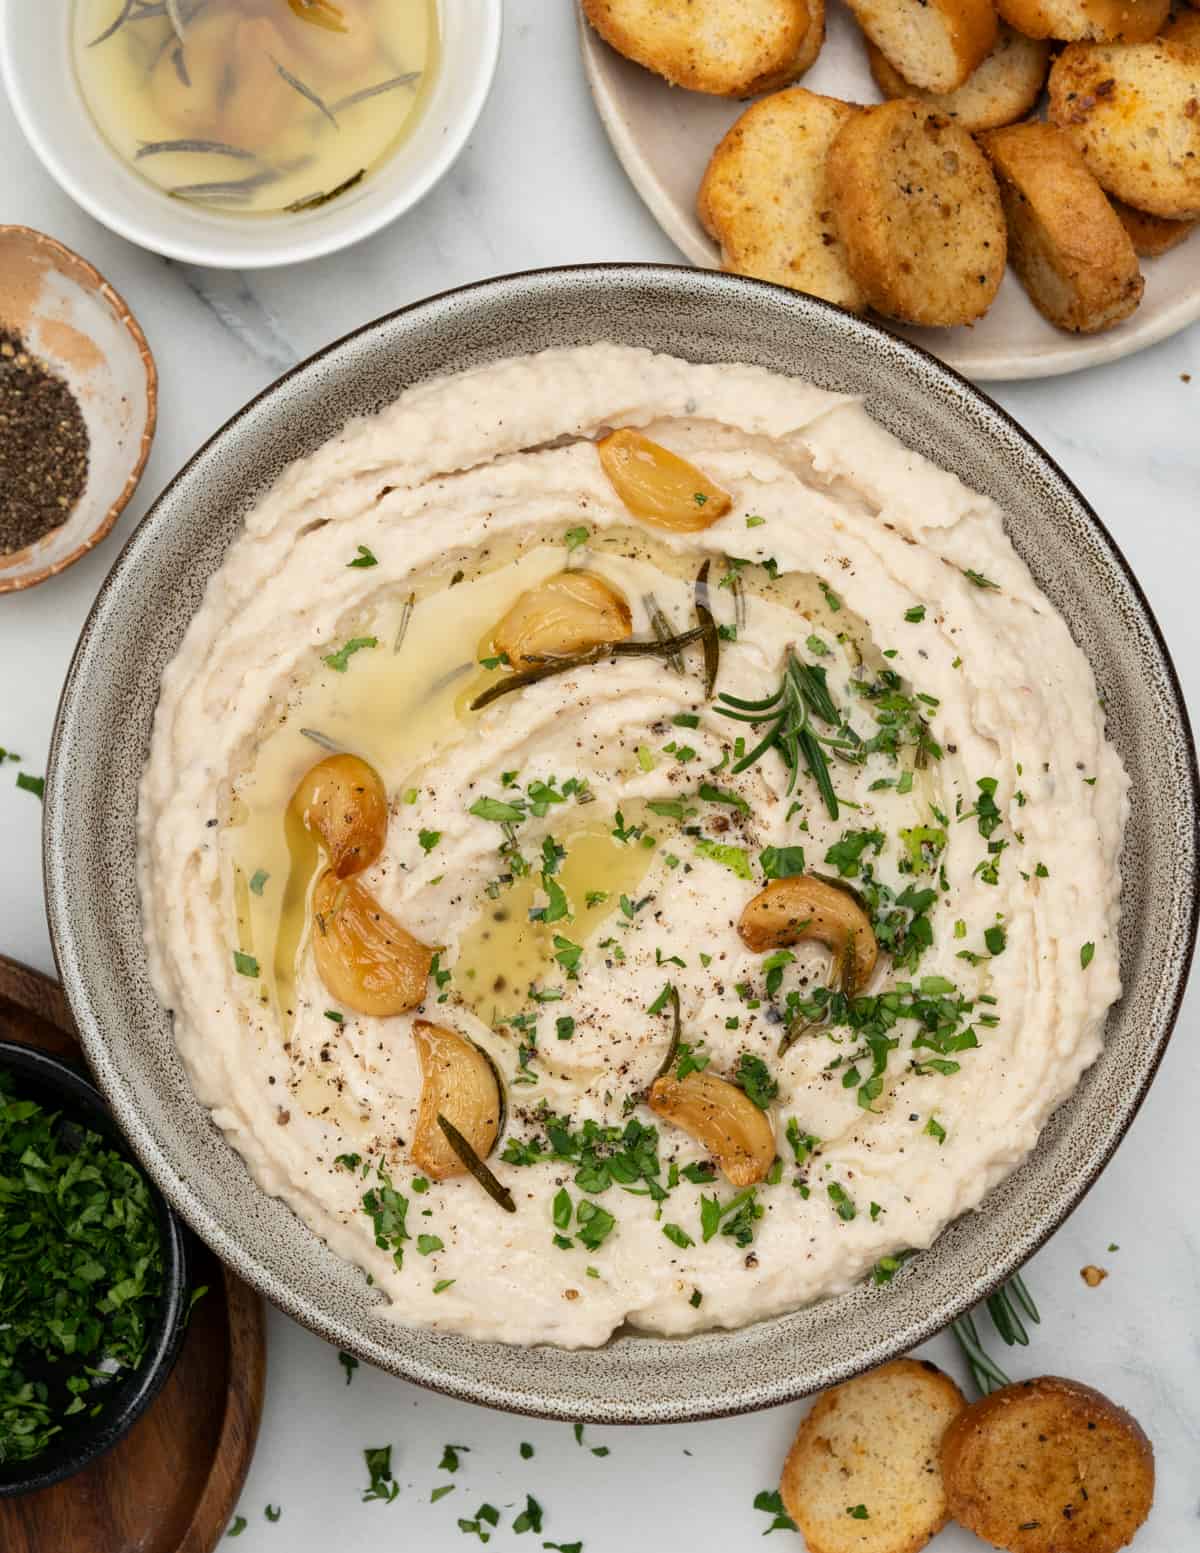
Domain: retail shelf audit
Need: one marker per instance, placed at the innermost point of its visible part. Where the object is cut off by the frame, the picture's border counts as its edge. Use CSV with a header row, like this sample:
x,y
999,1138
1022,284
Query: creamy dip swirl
x,y
862,557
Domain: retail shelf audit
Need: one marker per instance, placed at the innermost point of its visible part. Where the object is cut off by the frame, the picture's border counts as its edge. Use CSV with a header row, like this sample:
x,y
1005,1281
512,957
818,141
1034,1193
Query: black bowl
x,y
62,1086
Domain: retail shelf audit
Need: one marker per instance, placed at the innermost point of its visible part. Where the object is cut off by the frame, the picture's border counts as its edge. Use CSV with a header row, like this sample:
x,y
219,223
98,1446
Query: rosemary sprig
x,y
662,629
208,147
1002,1307
373,91
712,638
315,201
498,1193
802,694
665,645
553,666
306,92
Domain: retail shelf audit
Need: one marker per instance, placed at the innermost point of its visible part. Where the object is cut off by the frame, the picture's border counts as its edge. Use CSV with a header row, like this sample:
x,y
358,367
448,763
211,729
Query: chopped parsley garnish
x,y
80,1271
258,879
781,862
574,537
239,1525
363,559
626,1156
915,615
349,1363
770,1502
660,1001
754,521
568,955
842,1202
816,646
498,810
803,1144
678,1237
713,794
450,1461
858,1511
831,597
736,1218
387,1209
1085,955
245,964
272,1512
846,855
31,784
526,1450
754,1077
429,839
339,661
530,1518
441,1492
564,1027
383,1486
427,1244
979,579
934,1129
736,859
443,1284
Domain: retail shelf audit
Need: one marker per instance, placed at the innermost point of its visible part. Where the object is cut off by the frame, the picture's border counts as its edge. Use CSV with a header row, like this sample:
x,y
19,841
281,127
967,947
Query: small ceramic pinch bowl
x,y
72,319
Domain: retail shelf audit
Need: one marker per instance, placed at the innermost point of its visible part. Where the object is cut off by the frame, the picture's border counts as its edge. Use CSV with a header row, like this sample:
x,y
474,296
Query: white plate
x,y
664,137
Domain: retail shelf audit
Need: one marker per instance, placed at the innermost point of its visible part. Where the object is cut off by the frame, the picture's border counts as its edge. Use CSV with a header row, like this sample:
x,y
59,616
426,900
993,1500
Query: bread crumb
x,y
1185,377
1093,1276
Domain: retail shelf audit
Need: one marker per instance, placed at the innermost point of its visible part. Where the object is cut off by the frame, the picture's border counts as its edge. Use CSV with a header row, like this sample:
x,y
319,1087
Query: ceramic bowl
x,y
35,53
69,316
103,733
60,1086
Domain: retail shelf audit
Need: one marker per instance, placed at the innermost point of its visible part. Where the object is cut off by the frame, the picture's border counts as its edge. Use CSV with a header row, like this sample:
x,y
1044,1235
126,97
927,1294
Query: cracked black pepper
x,y
43,447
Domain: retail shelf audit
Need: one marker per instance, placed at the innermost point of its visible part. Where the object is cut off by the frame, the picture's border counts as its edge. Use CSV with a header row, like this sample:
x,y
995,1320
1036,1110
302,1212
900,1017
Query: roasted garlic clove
x,y
364,957
565,614
723,1118
800,908
460,1084
342,801
658,486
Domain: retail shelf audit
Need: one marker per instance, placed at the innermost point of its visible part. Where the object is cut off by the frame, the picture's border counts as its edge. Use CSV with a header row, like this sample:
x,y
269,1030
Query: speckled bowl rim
x,y
124,316
602,1406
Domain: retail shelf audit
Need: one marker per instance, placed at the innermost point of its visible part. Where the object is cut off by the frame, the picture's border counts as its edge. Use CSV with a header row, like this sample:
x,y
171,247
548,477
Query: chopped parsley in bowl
x,y
93,1275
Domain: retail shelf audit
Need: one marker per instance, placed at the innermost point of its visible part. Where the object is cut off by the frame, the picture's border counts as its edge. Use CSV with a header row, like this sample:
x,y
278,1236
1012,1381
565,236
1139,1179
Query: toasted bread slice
x,y
814,41
729,48
935,44
1133,109
872,1445
917,207
1184,27
1088,21
1048,1466
1001,90
1151,235
764,196
1065,241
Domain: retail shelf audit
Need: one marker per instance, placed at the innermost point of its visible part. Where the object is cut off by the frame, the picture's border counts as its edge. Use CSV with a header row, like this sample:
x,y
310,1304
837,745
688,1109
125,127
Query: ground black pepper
x,y
43,447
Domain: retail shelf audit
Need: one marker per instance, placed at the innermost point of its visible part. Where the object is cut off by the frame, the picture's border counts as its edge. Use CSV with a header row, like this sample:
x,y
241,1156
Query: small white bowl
x,y
39,75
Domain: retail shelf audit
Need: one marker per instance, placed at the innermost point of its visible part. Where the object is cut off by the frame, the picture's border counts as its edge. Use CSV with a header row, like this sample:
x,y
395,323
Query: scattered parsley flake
x,y
363,559
1085,955
245,964
257,881
339,661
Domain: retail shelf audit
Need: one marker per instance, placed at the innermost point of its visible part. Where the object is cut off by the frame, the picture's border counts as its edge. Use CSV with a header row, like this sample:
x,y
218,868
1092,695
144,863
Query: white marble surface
x,y
538,186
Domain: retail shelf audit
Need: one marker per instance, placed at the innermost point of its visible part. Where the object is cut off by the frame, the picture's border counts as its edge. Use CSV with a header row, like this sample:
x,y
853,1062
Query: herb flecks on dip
x,y
735,991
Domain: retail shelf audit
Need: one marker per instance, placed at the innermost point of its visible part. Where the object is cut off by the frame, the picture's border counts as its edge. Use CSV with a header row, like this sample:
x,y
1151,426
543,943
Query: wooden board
x,y
172,1484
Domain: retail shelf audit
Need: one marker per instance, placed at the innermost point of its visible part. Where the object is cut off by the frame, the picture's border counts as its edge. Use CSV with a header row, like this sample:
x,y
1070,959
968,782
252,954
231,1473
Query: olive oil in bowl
x,y
259,107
